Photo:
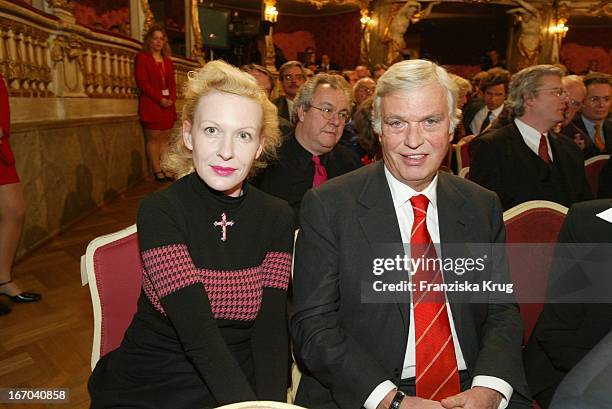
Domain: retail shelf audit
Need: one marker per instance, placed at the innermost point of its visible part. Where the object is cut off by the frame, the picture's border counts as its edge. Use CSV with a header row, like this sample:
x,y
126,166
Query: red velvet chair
x,y
592,169
537,222
114,271
462,153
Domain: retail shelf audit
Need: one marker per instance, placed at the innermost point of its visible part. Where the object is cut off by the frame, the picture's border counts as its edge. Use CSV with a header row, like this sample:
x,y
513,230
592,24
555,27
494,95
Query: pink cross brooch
x,y
224,223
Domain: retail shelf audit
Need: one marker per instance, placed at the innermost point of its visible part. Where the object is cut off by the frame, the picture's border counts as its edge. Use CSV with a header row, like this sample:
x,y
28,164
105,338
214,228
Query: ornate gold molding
x,y
149,18
61,4
196,51
602,8
320,3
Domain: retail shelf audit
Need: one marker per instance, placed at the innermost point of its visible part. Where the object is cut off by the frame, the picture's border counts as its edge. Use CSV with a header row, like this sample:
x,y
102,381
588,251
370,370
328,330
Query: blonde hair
x,y
464,87
219,76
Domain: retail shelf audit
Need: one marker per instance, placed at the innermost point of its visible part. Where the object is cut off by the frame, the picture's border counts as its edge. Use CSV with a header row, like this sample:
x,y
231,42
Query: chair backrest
x,y
537,222
592,169
445,165
462,153
114,271
464,173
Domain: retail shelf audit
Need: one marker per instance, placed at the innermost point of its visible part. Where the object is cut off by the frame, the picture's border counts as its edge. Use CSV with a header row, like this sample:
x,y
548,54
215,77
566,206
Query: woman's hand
x,y
165,103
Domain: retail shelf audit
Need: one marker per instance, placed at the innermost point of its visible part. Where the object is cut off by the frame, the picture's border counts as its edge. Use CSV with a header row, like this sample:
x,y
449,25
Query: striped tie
x,y
437,376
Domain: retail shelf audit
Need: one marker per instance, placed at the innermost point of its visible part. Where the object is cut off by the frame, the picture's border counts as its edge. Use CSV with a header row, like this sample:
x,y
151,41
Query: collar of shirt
x,y
290,107
303,156
481,115
590,126
401,194
531,136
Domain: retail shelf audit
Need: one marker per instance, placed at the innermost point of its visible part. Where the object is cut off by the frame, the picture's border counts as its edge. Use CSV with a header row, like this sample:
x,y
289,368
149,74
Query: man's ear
x,y
187,139
301,113
528,100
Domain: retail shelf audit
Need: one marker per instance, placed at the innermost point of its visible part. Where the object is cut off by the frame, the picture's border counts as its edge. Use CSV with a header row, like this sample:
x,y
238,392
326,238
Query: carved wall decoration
x,y
602,8
149,18
197,32
23,58
67,50
43,57
61,4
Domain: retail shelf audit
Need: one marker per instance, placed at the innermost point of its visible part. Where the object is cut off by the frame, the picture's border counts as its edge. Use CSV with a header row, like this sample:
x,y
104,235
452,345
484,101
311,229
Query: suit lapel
x,y
379,221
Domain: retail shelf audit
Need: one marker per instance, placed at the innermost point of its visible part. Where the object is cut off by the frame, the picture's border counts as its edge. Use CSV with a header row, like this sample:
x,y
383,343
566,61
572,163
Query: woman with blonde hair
x,y
155,79
210,328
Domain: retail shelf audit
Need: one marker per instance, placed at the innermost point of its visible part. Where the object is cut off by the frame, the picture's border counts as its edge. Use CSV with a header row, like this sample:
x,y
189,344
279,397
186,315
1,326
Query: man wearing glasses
x,y
292,76
594,118
311,155
576,92
525,160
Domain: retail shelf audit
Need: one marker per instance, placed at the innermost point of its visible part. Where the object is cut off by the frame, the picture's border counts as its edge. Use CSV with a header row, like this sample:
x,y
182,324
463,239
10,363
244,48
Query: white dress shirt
x,y
290,108
531,136
480,116
401,194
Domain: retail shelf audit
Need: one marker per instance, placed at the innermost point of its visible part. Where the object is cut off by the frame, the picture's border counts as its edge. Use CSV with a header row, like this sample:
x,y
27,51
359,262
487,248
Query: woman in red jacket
x,y
12,210
155,78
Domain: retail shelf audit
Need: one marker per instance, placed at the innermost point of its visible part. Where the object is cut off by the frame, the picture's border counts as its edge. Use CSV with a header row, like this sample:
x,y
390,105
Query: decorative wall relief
x,y
67,52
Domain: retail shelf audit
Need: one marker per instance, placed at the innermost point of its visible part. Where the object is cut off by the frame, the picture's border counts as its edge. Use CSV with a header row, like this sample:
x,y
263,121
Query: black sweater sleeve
x,y
270,341
172,276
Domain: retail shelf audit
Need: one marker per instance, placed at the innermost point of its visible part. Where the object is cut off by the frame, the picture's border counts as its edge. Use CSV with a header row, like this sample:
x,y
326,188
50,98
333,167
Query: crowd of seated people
x,y
355,157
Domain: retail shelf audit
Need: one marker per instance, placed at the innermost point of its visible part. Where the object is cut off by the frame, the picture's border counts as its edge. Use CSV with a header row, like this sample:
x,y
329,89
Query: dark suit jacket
x,y
605,182
347,347
291,175
502,162
469,112
607,135
565,333
283,107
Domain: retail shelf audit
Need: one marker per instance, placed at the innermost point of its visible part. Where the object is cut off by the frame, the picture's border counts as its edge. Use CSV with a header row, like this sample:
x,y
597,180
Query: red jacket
x,y
149,80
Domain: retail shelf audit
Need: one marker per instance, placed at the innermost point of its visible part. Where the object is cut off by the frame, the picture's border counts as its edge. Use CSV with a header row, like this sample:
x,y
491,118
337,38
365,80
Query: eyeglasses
x,y
291,77
328,114
575,104
557,92
599,100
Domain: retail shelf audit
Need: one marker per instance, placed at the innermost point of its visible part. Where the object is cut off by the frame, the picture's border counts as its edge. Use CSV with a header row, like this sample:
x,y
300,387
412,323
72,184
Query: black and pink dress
x,y
210,328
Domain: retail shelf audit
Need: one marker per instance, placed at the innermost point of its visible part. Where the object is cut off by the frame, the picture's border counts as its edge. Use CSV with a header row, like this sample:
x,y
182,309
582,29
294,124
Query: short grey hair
x,y
408,76
289,64
525,83
305,94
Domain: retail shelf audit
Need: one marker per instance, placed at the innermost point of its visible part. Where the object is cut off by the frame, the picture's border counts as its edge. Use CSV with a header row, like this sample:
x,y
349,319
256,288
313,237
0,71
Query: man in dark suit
x,y
565,333
576,92
594,118
525,160
292,75
480,114
359,354
311,154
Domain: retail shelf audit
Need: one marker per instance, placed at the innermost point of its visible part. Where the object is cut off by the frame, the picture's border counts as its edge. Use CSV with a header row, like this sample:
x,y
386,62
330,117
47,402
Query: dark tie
x,y
486,122
320,174
437,375
543,149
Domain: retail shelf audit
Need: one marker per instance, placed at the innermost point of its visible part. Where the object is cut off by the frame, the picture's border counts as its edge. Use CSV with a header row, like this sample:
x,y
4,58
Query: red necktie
x,y
543,150
320,174
437,375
